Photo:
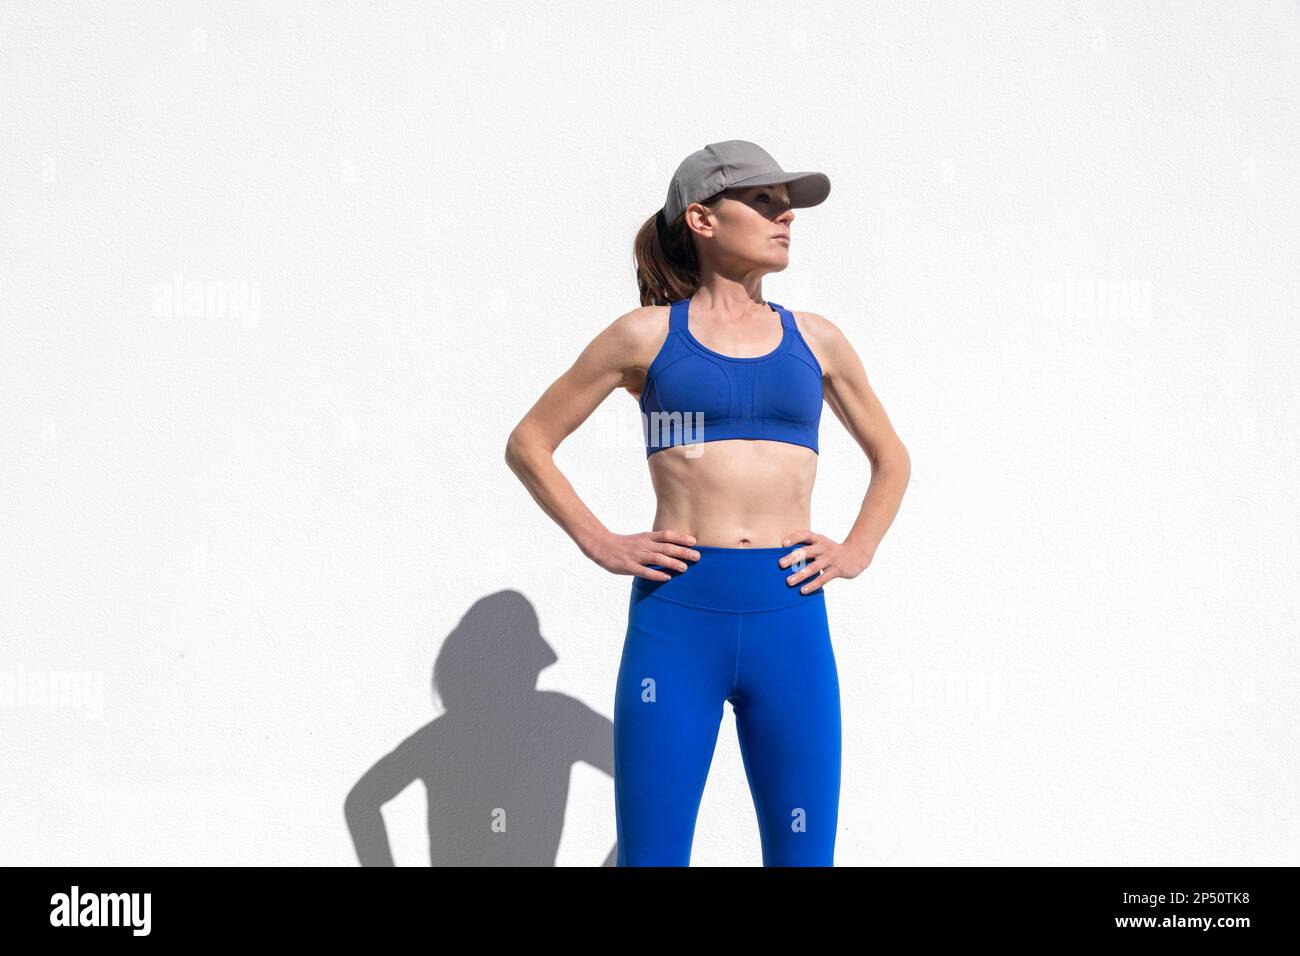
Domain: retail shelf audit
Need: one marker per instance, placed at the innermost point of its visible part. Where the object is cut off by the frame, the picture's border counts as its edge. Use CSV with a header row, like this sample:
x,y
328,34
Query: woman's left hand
x,y
823,559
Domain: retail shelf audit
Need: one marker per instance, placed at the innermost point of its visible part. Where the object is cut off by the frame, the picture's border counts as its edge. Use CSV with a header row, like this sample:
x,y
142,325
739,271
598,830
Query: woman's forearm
x,y
889,478
535,466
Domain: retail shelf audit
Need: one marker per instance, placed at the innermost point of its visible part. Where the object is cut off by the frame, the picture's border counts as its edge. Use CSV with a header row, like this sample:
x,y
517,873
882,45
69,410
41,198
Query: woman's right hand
x,y
631,553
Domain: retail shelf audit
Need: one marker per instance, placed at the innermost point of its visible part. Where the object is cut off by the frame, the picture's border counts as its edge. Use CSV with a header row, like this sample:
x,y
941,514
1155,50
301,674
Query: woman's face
x,y
750,228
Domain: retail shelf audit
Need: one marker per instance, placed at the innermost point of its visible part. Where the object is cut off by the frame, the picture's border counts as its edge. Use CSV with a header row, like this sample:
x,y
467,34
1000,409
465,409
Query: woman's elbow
x,y
514,453
893,458
521,448
902,463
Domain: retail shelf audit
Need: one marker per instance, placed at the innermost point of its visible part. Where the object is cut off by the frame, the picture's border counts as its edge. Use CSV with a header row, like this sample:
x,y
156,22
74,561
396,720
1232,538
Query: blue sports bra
x,y
694,394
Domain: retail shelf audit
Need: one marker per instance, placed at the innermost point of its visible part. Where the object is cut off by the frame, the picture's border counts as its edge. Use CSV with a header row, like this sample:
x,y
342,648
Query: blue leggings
x,y
728,628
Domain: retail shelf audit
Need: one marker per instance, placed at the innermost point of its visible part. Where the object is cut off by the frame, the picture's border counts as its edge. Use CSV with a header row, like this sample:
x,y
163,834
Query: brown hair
x,y
667,268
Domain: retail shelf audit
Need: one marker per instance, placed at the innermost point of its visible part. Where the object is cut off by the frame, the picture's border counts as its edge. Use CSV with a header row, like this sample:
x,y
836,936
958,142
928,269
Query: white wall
x,y
1063,238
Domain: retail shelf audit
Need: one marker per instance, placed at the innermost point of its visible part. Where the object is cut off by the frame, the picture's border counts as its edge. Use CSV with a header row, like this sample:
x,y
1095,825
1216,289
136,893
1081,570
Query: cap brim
x,y
805,188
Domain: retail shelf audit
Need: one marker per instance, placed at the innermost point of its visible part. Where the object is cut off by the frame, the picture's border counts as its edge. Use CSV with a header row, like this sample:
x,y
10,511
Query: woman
x,y
727,598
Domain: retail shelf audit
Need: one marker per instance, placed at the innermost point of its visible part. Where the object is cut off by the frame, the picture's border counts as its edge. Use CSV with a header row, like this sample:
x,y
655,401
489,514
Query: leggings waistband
x,y
729,579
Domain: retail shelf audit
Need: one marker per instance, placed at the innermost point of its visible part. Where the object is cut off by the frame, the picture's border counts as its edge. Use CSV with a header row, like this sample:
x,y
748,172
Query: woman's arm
x,y
855,404
611,360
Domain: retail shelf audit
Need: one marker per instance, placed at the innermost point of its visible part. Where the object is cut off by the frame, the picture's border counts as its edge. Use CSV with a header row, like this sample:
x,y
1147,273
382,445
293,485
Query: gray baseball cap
x,y
736,163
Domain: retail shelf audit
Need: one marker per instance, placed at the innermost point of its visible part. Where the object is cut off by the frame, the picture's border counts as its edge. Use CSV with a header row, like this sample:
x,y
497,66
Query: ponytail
x,y
667,267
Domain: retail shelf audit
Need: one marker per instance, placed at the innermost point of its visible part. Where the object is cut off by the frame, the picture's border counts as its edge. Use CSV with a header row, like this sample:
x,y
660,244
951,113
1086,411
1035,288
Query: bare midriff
x,y
734,493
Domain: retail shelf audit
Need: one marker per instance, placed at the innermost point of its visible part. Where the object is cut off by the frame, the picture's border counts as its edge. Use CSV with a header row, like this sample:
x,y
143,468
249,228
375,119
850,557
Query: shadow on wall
x,y
496,763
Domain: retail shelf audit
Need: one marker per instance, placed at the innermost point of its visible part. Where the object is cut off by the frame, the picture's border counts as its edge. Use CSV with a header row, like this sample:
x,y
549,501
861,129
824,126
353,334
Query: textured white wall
x,y
239,522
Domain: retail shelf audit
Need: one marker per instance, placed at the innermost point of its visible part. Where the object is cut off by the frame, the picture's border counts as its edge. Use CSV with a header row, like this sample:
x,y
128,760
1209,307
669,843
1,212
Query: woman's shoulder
x,y
637,335
807,321
816,326
824,337
643,325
